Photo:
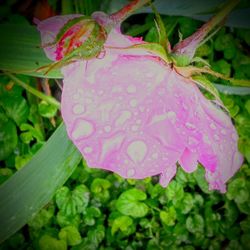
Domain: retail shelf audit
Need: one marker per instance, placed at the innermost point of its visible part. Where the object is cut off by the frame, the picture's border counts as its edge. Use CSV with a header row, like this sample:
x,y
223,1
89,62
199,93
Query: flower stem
x,y
190,44
48,99
127,10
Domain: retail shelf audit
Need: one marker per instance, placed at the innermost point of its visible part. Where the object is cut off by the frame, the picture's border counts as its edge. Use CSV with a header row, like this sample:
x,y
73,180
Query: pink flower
x,y
129,113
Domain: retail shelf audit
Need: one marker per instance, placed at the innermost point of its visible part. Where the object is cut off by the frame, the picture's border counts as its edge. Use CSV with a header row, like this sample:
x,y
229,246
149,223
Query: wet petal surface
x,y
131,114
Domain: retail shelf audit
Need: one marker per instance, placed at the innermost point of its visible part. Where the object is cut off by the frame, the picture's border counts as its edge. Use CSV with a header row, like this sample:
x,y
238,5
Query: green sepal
x,y
181,60
154,48
91,48
163,38
203,82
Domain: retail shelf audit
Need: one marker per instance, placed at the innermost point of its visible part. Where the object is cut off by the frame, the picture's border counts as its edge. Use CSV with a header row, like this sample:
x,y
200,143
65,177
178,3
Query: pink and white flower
x,y
130,113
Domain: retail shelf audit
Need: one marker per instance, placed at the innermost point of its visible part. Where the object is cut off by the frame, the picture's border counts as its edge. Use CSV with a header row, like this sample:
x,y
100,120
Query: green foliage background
x,y
95,209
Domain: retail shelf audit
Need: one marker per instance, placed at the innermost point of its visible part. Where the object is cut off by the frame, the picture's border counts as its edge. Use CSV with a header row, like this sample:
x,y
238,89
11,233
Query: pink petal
x,y
129,113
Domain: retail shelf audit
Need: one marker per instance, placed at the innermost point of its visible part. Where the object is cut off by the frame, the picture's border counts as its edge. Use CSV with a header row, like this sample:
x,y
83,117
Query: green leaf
x,y
99,185
168,217
66,220
46,110
47,242
195,224
20,50
122,223
8,136
129,203
72,202
96,235
174,191
32,187
238,190
71,235
42,218
14,103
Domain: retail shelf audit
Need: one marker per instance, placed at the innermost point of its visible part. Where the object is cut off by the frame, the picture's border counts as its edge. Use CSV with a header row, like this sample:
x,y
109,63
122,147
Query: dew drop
x,y
78,109
134,128
172,116
149,74
88,100
130,172
223,132
206,139
190,125
192,141
133,103
82,129
234,136
237,160
216,137
88,150
107,128
155,155
137,150
125,115
131,89
212,126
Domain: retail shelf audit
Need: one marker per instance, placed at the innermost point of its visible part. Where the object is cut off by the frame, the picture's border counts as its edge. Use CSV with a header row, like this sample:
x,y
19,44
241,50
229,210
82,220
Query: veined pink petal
x,y
129,113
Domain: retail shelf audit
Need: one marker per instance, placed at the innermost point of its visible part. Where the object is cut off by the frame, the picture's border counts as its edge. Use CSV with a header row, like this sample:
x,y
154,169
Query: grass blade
x,y
33,186
20,50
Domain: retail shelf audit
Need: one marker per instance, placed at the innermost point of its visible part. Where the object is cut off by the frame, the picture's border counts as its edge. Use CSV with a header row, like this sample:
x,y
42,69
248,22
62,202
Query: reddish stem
x,y
190,44
127,10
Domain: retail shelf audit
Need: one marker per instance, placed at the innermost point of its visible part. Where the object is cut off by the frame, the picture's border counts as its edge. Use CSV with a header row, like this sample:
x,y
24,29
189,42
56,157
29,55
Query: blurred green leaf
x,y
195,223
47,242
8,136
168,217
130,203
122,223
47,110
96,235
72,202
71,235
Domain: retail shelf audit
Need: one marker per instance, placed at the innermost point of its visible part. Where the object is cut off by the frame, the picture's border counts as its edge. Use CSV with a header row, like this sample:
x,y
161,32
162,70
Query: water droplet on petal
x,y
155,155
216,137
125,115
212,126
130,172
88,100
223,131
190,125
82,129
137,150
134,128
192,141
206,139
172,116
107,128
131,89
78,109
234,136
133,103
88,150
